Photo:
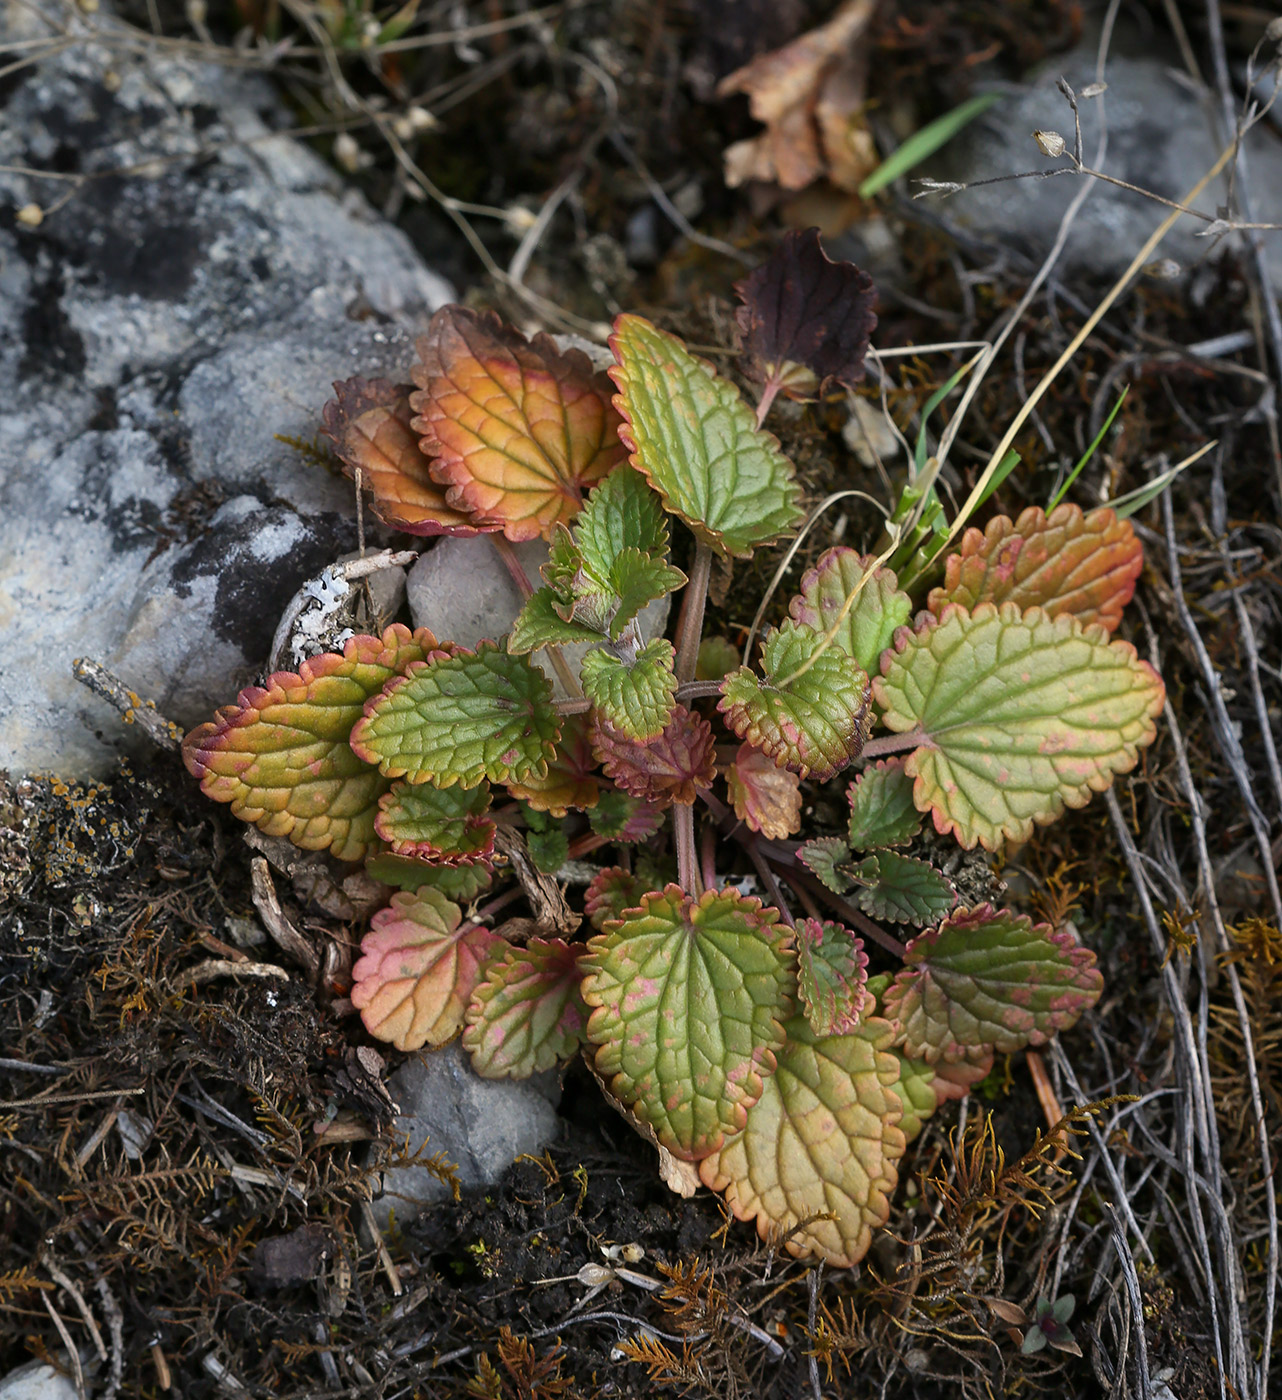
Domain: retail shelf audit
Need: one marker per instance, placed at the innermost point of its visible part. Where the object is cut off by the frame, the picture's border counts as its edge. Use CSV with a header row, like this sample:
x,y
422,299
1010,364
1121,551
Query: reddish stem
x,y
893,743
690,625
687,857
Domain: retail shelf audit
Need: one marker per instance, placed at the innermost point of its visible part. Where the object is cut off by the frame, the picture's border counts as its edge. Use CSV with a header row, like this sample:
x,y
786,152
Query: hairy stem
x,y
892,743
688,876
690,626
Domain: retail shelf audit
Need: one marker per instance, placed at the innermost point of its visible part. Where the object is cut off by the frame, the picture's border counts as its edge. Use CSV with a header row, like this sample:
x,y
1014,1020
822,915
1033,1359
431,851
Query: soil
x,y
159,1159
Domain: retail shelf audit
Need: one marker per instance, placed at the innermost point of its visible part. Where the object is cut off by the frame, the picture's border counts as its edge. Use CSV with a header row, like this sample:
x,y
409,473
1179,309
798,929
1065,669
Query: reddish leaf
x,y
612,891
369,423
1067,562
832,970
445,825
527,1014
766,797
805,319
671,768
517,429
619,817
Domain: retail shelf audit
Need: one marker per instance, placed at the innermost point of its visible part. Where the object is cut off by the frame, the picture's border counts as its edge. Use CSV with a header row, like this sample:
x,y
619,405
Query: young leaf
x,y
1064,562
694,438
671,768
612,891
419,968
549,850
867,627
636,580
540,624
717,657
989,978
829,859
369,423
766,797
1021,715
462,719
527,1015
622,513
636,699
810,713
832,969
881,807
458,882
619,817
689,997
517,429
915,1090
903,889
281,754
570,781
820,1145
805,320
446,825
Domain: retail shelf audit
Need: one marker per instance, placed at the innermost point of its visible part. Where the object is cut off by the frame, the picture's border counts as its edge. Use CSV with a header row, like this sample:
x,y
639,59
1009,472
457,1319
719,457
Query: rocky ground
x,y
207,215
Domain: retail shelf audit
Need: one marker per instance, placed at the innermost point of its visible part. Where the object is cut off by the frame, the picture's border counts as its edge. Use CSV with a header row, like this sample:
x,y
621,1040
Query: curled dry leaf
x,y
369,423
809,95
1085,565
805,320
766,797
517,430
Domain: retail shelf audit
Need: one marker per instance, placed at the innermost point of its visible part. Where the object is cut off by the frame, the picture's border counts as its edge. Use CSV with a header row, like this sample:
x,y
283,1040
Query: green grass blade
x,y
925,142
1089,453
1009,462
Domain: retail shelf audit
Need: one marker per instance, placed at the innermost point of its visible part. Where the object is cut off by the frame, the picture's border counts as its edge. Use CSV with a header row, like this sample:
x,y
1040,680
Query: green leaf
x,y
1090,451
612,891
832,969
622,513
820,1146
527,1015
419,968
447,825
638,579
571,780
457,882
829,859
637,699
693,437
867,626
549,850
619,817
989,978
903,889
925,142
1064,562
915,1091
469,717
1020,715
281,754
810,713
717,657
881,807
539,624
689,997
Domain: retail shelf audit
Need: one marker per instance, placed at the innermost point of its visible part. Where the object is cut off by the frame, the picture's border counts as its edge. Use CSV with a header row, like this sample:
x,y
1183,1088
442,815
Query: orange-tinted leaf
x,y
1067,562
517,430
766,797
612,891
571,779
369,423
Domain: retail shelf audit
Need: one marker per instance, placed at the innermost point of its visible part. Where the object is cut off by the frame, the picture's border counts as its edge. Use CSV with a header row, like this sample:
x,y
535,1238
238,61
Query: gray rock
x,y
159,331
1159,138
37,1381
481,1125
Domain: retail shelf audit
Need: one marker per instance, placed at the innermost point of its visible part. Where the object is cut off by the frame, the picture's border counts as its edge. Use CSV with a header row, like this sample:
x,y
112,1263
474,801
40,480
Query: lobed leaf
x,y
527,1015
457,882
1021,715
369,423
692,436
281,755
820,1146
989,978
571,780
766,797
903,889
446,825
1085,565
619,817
462,719
517,429
689,996
867,627
805,319
809,713
832,970
882,812
612,891
670,768
420,964
637,699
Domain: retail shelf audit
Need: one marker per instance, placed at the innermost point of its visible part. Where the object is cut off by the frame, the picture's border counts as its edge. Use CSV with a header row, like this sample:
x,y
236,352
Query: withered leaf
x,y
804,320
